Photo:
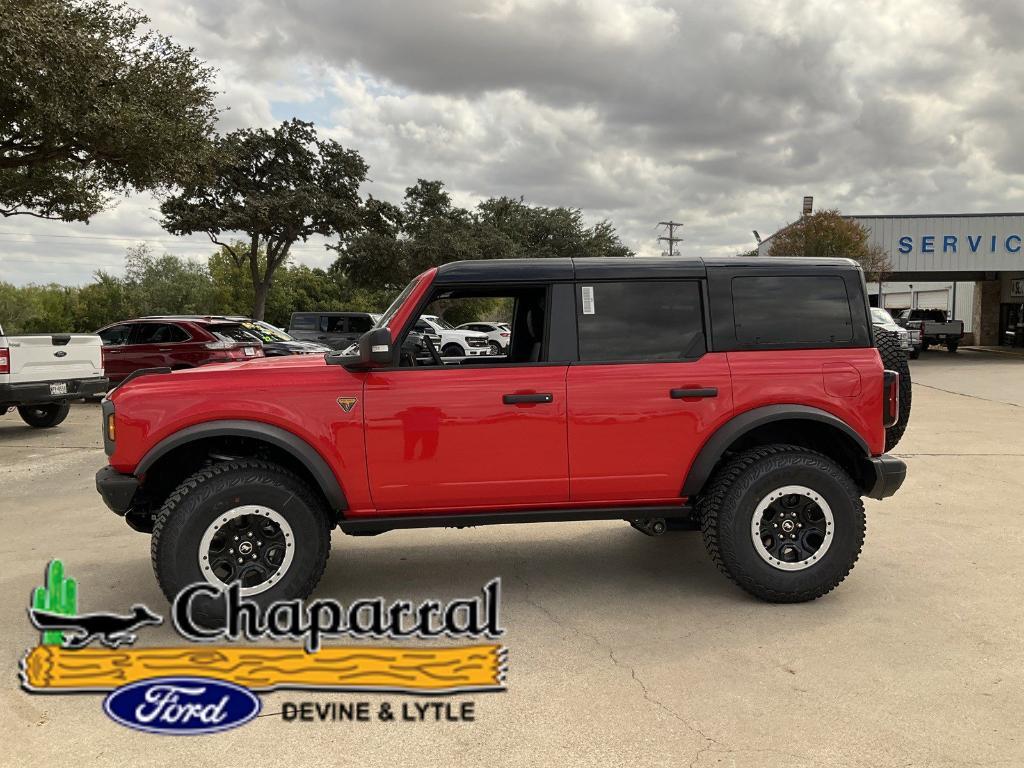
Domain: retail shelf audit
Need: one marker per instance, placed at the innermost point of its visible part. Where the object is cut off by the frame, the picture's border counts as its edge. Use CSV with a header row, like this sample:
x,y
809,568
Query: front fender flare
x,y
712,451
276,436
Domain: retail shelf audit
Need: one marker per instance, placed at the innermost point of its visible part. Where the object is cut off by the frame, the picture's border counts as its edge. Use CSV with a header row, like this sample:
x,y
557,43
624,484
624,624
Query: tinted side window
x,y
332,324
791,309
640,320
303,322
359,324
157,333
115,336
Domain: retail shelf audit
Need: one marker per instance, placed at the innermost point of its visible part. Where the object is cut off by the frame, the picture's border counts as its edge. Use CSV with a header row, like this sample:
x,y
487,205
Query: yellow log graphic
x,y
427,670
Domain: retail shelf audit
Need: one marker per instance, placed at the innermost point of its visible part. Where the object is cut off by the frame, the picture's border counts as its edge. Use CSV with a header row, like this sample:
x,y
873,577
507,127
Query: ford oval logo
x,y
60,353
182,705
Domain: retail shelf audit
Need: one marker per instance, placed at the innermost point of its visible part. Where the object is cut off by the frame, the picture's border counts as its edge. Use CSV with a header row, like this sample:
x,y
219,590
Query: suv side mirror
x,y
375,349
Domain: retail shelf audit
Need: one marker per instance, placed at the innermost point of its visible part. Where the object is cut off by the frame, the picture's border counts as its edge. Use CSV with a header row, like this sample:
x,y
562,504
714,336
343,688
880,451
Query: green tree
x,y
829,234
276,187
395,244
93,104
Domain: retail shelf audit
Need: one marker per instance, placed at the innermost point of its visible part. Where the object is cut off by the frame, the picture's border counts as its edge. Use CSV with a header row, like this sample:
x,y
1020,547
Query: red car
x,y
175,343
742,396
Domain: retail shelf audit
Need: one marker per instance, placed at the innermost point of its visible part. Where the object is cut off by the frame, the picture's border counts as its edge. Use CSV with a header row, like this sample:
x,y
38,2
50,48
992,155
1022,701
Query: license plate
x,y
60,388
249,351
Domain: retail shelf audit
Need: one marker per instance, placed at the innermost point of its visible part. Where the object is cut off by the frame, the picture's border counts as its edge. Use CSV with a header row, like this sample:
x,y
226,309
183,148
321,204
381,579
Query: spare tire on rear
x,y
895,359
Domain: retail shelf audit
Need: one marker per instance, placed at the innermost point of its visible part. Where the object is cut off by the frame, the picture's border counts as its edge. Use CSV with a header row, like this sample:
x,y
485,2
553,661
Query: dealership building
x,y
969,264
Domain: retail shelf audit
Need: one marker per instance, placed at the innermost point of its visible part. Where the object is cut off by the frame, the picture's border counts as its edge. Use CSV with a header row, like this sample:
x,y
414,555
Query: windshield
x,y
390,312
265,332
880,315
232,333
439,322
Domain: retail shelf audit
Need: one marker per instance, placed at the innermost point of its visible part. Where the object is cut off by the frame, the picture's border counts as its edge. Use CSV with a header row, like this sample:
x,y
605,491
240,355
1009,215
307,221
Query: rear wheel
x,y
952,344
247,522
895,359
44,416
783,522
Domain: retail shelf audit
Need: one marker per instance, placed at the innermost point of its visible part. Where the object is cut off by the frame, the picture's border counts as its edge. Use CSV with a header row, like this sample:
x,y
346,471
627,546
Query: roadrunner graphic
x,y
111,629
347,403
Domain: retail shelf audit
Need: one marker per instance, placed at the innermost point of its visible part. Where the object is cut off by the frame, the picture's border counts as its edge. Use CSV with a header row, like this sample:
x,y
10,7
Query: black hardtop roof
x,y
618,268
333,313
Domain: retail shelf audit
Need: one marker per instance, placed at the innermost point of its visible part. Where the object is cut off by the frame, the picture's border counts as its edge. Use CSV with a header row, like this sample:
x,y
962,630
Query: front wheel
x,y
495,347
44,416
253,523
783,522
452,350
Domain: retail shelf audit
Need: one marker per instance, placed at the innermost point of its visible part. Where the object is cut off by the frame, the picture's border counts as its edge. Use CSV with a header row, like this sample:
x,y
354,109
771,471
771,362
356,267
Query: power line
x,y
671,239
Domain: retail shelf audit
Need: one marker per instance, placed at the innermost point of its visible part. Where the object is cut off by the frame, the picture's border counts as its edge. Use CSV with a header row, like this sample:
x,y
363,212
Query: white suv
x,y
454,342
498,334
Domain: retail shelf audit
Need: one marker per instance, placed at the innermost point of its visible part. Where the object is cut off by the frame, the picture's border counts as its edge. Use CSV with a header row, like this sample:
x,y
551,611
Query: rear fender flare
x,y
716,446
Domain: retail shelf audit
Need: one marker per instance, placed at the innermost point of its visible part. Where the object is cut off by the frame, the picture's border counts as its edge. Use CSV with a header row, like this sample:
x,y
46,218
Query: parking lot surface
x,y
623,649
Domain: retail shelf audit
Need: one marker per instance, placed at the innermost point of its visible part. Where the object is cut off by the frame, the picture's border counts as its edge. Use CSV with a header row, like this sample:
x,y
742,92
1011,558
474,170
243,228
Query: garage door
x,y
896,300
933,299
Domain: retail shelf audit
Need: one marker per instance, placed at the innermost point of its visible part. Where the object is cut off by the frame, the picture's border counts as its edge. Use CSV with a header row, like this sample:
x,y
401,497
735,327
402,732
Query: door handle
x,y
683,393
165,349
540,397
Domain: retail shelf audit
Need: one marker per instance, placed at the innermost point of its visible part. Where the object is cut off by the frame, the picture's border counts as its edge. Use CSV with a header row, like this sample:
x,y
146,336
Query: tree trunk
x,y
259,305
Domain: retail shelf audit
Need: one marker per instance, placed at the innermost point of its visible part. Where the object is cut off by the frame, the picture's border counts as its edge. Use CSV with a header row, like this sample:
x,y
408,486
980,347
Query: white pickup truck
x,y
41,374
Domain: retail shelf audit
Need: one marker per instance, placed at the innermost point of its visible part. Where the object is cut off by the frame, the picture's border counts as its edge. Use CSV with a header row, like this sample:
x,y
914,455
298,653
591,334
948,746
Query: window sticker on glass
x,y
588,299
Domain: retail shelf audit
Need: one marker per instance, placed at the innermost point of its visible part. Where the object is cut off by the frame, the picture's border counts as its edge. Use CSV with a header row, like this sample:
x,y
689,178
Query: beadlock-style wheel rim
x,y
792,528
252,545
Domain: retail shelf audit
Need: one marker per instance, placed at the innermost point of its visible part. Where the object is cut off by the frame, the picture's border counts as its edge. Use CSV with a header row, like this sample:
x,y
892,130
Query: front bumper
x,y
117,489
37,392
890,473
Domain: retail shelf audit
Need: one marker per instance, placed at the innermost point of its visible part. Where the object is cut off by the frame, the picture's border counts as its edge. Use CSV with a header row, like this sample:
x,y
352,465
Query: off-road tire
x,y
44,416
200,498
727,506
895,359
452,350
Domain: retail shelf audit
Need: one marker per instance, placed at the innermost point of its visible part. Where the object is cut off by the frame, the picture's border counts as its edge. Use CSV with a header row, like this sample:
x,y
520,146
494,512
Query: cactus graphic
x,y
58,595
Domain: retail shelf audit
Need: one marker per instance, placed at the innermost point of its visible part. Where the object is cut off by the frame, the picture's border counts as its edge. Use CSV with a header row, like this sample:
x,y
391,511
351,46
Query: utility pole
x,y
671,239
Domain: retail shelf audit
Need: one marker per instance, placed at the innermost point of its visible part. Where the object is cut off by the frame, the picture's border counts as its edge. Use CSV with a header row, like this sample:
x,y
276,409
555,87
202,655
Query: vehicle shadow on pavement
x,y
599,561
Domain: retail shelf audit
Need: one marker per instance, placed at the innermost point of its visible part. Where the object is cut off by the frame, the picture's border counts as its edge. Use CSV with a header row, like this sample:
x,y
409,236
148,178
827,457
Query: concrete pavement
x,y
623,649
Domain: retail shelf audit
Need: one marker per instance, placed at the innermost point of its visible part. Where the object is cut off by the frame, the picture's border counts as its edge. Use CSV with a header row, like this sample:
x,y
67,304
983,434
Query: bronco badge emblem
x,y
347,403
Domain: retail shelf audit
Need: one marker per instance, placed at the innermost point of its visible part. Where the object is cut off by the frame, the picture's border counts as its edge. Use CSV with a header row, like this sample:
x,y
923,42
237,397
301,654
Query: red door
x,y
466,438
634,429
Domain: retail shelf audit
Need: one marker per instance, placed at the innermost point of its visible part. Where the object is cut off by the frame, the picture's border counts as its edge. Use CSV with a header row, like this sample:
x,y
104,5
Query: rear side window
x,y
332,324
359,324
159,333
303,322
640,320
791,309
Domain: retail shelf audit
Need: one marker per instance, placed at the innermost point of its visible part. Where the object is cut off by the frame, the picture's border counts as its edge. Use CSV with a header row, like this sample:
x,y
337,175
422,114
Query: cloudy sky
x,y
719,114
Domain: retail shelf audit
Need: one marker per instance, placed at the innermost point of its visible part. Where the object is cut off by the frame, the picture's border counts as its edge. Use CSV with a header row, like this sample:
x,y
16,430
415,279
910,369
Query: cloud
x,y
721,115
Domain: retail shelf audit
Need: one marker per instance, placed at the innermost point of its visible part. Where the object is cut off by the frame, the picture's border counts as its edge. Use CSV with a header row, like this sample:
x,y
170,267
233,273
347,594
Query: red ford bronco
x,y
741,396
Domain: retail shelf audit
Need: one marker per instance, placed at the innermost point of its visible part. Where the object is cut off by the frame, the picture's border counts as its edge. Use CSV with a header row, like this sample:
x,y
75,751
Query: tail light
x,y
891,404
503,335
5,361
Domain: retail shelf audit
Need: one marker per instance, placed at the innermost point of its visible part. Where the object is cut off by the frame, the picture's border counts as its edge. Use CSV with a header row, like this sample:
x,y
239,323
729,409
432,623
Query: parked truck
x,y
41,374
934,326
